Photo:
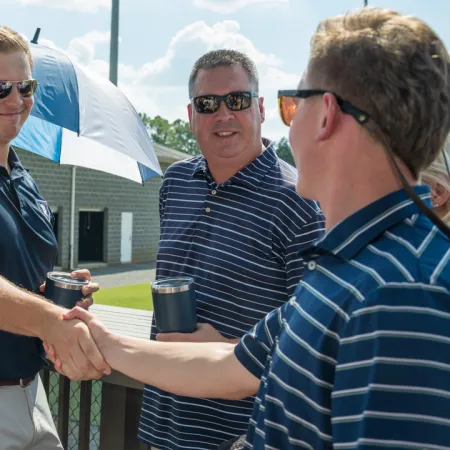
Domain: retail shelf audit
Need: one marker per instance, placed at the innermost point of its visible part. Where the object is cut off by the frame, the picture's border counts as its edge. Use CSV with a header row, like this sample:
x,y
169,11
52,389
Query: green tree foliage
x,y
284,151
176,135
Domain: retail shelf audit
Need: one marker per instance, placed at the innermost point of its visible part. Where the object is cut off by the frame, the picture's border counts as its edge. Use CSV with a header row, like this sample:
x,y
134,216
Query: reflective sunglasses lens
x,y
27,88
206,104
5,89
238,101
287,107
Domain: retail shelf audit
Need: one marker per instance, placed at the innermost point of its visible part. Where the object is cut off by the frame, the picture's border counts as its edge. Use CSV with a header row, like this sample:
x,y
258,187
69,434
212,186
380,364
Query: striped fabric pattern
x,y
240,241
359,358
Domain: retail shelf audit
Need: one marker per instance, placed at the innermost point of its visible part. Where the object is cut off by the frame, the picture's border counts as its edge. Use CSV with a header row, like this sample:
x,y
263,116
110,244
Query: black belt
x,y
22,382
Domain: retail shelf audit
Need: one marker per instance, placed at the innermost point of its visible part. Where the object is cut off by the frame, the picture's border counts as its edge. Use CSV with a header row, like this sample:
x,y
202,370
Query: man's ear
x,y
262,109
328,116
190,116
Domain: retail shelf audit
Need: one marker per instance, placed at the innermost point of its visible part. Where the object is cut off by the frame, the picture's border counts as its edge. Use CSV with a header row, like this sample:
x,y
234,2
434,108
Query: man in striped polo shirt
x,y
232,220
359,358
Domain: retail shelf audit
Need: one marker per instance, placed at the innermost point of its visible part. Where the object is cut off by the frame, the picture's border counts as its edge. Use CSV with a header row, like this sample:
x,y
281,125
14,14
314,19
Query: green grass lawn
x,y
137,296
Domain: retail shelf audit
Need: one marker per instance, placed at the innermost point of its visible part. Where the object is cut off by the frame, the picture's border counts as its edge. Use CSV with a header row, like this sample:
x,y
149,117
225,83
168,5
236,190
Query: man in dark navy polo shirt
x,y
27,252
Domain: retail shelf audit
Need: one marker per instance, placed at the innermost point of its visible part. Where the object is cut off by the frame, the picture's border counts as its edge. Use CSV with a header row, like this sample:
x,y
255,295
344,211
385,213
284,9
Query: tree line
x,y
178,136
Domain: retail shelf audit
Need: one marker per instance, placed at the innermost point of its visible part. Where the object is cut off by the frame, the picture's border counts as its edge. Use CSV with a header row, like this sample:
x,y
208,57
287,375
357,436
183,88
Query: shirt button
x,y
311,265
208,210
214,192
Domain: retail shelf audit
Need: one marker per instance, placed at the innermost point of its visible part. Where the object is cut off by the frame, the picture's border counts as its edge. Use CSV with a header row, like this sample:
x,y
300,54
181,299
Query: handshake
x,y
77,346
81,348
71,342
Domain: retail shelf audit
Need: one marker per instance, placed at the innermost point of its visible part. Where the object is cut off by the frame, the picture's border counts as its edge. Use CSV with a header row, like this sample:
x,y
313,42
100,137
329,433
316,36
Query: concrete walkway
x,y
124,275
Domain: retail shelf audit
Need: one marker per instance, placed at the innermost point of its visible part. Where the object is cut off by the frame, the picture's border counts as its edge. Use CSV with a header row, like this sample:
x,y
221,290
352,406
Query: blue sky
x,y
161,39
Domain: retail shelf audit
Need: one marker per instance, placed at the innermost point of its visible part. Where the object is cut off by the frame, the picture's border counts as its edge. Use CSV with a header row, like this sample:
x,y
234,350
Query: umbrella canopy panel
x,y
82,119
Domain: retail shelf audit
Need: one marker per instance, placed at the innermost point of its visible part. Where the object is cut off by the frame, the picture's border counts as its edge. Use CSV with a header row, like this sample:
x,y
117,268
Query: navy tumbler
x,y
64,290
174,305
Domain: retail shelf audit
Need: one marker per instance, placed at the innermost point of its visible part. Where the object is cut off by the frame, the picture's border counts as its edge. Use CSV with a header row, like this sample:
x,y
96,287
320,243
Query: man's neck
x,y
341,199
222,169
4,153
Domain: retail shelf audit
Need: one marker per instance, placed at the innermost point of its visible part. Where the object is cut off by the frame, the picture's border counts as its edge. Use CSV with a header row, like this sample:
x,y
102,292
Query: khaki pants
x,y
25,419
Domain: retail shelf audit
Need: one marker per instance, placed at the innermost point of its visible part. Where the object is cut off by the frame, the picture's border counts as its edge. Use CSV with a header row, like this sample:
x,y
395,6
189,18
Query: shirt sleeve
x,y
392,382
255,346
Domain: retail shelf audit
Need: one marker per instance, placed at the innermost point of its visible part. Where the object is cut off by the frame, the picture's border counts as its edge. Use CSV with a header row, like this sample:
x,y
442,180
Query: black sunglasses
x,y
287,105
26,88
235,101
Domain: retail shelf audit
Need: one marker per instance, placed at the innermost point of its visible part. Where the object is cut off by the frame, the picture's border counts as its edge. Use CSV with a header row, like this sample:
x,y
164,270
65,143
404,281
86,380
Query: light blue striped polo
x,y
241,242
359,358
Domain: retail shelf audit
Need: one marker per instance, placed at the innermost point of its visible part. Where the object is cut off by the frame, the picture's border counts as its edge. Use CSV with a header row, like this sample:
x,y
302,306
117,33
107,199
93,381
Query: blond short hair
x,y
394,67
438,173
11,41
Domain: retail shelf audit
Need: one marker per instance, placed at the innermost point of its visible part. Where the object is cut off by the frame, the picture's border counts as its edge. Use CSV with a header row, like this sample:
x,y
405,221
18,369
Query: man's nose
x,y
224,113
14,99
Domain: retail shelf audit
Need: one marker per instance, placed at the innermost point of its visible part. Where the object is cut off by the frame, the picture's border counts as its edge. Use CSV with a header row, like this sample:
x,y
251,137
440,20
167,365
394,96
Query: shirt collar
x,y
252,174
14,164
351,235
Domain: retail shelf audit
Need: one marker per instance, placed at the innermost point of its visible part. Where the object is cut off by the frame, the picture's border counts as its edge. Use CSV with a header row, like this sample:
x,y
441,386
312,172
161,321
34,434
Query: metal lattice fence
x,y
74,410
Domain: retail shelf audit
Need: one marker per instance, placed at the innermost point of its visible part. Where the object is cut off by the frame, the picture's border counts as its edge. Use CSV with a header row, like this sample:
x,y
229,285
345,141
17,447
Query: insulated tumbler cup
x,y
64,290
174,305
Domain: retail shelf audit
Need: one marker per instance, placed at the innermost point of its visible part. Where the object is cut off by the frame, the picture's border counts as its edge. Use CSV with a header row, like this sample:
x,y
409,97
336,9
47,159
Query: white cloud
x,y
198,38
229,6
70,5
160,87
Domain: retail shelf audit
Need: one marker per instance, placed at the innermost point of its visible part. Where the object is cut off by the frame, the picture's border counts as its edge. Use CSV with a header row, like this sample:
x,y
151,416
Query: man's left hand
x,y
205,333
87,290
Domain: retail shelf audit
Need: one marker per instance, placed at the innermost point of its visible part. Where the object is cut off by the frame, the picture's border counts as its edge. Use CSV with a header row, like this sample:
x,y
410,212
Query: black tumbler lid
x,y
172,285
65,281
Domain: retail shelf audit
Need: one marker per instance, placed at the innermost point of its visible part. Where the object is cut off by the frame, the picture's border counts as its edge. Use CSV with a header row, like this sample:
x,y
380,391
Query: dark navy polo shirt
x,y
27,252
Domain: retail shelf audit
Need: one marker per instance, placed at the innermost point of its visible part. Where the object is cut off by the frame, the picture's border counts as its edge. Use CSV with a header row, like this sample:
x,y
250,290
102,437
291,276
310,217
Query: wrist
x,y
49,315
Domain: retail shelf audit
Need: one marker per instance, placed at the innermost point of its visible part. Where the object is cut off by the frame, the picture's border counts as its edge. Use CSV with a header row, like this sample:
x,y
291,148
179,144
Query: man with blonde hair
x,y
27,252
359,357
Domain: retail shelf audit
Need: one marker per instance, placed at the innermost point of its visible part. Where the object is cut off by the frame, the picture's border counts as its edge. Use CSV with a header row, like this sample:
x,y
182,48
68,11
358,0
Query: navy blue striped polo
x,y
359,358
241,242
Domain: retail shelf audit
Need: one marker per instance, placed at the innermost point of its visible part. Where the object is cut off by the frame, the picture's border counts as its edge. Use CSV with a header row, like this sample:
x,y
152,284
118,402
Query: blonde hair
x,y
395,68
438,173
11,41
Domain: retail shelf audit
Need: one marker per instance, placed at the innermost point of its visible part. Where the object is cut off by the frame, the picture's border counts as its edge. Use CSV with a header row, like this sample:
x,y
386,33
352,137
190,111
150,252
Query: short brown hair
x,y
11,41
224,58
394,67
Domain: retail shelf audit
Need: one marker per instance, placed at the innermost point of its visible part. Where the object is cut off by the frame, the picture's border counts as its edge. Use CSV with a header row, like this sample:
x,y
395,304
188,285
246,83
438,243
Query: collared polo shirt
x,y
241,242
359,358
27,252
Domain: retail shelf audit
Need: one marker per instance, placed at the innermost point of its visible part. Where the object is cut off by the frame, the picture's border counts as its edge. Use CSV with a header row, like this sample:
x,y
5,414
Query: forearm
x,y
22,312
192,369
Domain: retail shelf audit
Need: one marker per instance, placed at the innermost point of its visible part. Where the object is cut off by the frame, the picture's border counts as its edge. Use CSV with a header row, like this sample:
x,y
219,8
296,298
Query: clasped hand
x,y
78,356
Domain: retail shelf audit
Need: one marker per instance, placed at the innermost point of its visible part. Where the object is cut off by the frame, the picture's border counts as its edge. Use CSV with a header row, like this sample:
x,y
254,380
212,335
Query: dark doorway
x,y
90,237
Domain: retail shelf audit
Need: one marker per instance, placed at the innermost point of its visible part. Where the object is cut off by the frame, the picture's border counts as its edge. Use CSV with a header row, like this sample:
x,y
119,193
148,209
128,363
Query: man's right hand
x,y
79,357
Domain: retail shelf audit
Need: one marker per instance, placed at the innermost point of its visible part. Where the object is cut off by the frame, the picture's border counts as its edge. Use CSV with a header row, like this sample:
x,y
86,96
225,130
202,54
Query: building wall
x,y
98,190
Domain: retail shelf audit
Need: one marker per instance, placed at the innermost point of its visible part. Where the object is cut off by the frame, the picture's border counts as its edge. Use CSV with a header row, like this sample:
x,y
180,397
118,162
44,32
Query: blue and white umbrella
x,y
82,119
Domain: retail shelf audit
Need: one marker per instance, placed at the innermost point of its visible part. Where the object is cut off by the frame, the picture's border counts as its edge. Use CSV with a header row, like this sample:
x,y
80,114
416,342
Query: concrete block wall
x,y
98,190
